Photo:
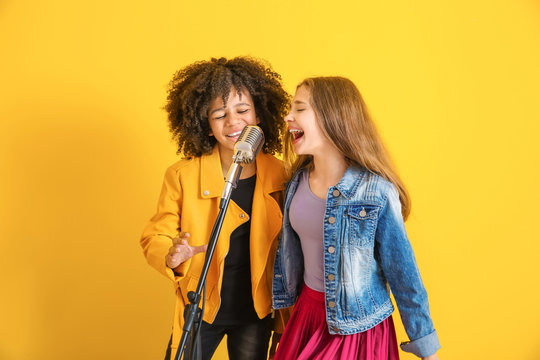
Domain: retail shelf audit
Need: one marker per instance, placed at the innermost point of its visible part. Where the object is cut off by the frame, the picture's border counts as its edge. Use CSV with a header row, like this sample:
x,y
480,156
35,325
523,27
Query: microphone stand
x,y
192,312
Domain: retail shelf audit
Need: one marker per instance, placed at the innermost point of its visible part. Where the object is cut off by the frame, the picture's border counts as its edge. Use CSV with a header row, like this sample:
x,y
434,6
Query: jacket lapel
x,y
211,176
266,212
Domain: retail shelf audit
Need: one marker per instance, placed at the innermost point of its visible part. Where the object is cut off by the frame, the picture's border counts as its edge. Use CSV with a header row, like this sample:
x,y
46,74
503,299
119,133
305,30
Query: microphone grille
x,y
253,136
250,142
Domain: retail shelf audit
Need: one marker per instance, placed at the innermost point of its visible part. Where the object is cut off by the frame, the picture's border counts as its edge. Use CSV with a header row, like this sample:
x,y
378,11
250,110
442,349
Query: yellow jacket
x,y
189,201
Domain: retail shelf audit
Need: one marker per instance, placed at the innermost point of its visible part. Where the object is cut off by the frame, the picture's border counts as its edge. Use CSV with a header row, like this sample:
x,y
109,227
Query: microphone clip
x,y
243,157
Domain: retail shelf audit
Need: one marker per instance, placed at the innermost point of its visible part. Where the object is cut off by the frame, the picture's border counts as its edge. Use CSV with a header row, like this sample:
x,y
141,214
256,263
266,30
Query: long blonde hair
x,y
344,119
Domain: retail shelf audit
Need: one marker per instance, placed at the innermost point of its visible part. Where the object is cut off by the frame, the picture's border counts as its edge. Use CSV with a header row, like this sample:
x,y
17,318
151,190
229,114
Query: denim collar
x,y
350,181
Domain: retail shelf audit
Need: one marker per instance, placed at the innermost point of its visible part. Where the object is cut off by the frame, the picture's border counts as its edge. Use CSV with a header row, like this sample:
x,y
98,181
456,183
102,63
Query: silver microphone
x,y
246,148
248,145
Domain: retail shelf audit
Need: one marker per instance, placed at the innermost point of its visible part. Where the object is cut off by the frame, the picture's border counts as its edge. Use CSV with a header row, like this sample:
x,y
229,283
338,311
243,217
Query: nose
x,y
233,119
288,118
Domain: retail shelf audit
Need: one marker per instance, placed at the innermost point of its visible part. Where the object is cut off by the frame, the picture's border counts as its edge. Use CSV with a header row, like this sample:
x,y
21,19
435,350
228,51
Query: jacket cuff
x,y
425,346
181,270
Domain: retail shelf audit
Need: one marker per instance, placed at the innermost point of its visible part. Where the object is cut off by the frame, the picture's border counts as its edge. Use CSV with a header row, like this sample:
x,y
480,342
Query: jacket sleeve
x,y
398,263
164,226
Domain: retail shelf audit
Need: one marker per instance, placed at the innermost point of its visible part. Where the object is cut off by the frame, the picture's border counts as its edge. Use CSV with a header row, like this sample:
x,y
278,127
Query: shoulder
x,y
271,171
381,186
271,160
271,165
185,164
372,187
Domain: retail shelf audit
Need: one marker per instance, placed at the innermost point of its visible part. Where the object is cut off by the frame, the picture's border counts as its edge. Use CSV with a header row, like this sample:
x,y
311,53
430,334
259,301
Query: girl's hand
x,y
181,251
431,357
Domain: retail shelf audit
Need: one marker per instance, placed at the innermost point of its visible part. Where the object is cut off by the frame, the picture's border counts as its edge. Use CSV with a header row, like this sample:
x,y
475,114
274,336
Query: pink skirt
x,y
306,336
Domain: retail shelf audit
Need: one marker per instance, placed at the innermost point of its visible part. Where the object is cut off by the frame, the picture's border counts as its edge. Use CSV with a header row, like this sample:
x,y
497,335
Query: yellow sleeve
x,y
164,226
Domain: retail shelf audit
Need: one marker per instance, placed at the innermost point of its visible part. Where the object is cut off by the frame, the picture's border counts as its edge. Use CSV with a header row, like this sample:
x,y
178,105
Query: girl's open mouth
x,y
296,133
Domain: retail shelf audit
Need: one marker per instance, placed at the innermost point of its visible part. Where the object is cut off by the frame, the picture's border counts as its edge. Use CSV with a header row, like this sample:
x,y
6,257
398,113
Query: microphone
x,y
245,149
248,145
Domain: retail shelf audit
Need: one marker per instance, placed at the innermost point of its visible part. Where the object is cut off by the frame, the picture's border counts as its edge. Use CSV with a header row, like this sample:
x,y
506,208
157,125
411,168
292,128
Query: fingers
x,y
171,261
183,236
173,250
181,250
180,244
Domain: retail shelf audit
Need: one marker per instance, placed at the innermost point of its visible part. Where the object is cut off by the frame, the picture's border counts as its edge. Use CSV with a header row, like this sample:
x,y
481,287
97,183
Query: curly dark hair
x,y
193,88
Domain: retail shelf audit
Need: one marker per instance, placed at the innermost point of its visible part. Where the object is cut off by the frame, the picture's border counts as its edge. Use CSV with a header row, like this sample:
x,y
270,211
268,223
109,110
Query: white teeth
x,y
234,134
296,133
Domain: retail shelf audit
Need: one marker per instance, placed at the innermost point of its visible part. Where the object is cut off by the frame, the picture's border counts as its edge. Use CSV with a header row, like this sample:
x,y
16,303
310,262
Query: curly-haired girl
x,y
209,103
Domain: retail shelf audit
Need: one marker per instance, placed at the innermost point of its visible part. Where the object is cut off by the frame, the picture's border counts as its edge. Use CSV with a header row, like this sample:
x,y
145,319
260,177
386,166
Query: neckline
x,y
306,180
249,179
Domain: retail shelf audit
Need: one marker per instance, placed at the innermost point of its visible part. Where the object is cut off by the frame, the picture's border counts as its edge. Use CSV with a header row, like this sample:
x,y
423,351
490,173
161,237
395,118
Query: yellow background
x,y
453,86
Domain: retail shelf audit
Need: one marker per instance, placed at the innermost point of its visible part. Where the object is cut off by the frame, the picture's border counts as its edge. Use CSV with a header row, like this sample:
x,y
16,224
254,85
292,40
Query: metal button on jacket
x,y
242,216
335,192
331,277
206,192
363,213
331,304
331,219
331,249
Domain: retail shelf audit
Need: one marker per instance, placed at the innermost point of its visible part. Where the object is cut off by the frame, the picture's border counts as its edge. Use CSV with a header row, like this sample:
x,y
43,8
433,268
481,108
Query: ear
x,y
258,120
211,133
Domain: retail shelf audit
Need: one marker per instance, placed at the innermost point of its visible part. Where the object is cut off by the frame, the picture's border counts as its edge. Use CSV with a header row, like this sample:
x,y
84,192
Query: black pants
x,y
244,342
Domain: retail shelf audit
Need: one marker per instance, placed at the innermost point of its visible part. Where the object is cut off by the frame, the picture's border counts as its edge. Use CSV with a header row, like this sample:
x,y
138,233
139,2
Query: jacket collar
x,y
350,181
212,180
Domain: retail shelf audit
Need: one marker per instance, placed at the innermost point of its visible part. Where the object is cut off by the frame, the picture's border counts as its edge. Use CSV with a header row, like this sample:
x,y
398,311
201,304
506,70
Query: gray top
x,y
307,216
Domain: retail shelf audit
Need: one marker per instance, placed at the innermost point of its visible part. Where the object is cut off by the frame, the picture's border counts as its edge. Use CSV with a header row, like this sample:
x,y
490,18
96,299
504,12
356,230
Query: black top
x,y
236,299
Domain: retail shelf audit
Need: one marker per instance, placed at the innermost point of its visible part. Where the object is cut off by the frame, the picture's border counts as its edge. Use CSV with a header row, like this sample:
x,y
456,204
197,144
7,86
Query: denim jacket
x,y
366,248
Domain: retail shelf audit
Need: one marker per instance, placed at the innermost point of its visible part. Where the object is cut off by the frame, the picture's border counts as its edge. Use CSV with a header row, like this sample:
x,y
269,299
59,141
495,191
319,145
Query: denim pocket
x,y
362,223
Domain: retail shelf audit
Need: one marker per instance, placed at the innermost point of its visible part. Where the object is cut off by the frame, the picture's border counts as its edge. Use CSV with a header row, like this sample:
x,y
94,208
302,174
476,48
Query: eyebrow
x,y
299,102
242,104
218,109
223,108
